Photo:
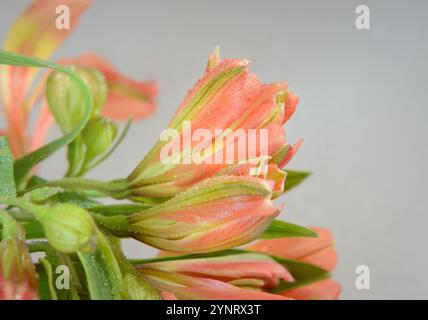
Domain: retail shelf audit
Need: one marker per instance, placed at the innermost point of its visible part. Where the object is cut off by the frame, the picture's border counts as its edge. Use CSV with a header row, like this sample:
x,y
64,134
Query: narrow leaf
x,y
294,178
49,278
7,182
102,271
282,229
33,230
303,274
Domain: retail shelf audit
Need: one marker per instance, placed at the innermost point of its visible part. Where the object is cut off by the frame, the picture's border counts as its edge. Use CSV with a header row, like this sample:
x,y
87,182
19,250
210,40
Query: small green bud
x,y
65,98
98,135
68,228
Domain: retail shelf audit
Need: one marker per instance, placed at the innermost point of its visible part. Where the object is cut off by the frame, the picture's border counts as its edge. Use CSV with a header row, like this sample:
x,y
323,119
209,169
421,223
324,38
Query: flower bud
x,y
231,116
186,287
244,270
65,98
68,228
98,134
18,279
218,213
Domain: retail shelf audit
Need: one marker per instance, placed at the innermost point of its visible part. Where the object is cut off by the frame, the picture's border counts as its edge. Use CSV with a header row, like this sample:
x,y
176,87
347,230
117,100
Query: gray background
x,y
362,113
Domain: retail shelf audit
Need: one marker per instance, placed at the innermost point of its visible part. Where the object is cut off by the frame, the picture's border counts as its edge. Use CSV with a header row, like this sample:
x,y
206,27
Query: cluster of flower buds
x,y
227,107
205,188
250,274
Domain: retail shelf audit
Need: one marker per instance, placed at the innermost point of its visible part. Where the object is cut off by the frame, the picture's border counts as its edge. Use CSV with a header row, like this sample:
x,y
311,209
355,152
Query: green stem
x,y
39,246
118,189
118,225
35,210
21,215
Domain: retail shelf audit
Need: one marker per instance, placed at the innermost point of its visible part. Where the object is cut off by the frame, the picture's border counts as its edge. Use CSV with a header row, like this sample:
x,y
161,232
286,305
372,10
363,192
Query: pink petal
x,y
229,268
194,288
291,103
321,290
215,214
290,153
43,123
34,33
318,251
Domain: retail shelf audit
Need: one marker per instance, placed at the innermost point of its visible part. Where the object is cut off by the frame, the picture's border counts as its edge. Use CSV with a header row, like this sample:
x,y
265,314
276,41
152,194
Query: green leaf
x,y
102,270
7,181
24,165
49,278
45,269
43,282
33,230
294,178
57,259
302,272
282,229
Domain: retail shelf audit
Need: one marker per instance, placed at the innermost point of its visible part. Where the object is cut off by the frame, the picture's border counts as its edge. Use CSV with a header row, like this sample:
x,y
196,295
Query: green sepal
x,y
282,229
294,178
302,272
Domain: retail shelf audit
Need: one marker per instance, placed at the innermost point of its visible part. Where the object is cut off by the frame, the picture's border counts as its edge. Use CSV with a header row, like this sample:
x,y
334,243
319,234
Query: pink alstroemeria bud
x,y
251,270
186,287
218,213
228,118
18,279
318,251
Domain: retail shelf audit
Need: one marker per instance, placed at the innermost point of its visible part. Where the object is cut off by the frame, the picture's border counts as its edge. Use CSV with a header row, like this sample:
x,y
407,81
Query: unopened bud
x,y
68,228
98,135
65,98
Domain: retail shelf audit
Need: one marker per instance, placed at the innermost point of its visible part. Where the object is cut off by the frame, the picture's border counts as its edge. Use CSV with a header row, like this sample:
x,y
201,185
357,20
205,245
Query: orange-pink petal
x,y
194,288
290,153
321,290
318,251
229,268
218,213
291,103
34,33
